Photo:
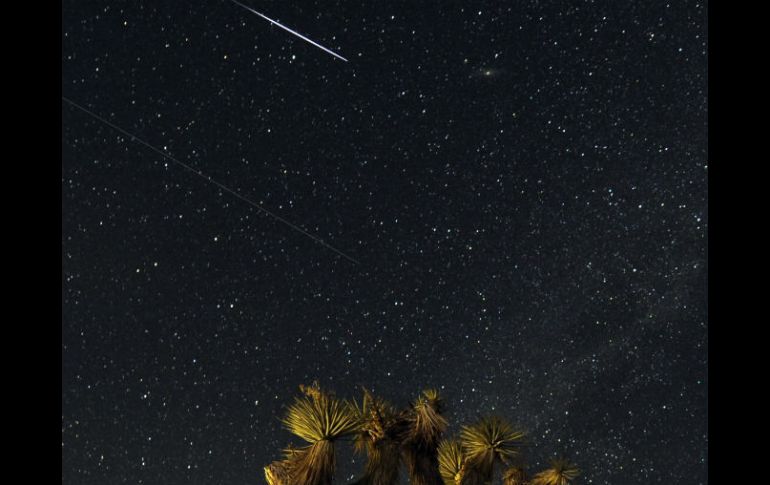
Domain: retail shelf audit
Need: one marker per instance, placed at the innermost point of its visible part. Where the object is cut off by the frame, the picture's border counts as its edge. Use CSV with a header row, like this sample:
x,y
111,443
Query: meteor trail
x,y
164,154
289,30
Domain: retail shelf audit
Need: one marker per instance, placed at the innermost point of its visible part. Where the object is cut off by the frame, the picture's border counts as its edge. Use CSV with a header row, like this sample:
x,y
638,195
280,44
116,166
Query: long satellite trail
x,y
209,179
289,30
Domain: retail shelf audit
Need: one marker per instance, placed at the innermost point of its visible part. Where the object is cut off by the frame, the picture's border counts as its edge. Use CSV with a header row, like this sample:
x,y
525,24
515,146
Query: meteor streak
x,y
291,31
166,155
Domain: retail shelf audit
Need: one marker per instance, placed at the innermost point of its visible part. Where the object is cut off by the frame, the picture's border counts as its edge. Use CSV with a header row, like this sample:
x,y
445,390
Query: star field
x,y
523,185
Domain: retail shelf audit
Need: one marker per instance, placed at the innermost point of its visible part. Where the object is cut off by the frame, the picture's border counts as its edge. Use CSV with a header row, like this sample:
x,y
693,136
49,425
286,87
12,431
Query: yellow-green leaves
x,y
396,439
490,440
426,424
561,473
320,417
450,462
493,438
514,476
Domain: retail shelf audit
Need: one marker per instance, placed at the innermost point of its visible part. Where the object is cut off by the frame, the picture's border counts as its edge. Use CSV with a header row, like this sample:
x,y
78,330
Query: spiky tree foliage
x,y
378,437
425,421
423,427
450,462
276,473
318,418
412,436
453,465
490,441
561,473
514,476
279,472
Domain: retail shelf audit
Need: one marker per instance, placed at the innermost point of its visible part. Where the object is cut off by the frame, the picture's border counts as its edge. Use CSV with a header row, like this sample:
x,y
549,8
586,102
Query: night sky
x,y
518,191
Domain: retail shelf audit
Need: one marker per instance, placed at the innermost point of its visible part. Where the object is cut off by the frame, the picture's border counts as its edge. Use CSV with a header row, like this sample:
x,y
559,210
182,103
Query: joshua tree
x,y
378,436
320,419
490,441
450,462
423,427
561,473
454,466
278,472
412,436
514,476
